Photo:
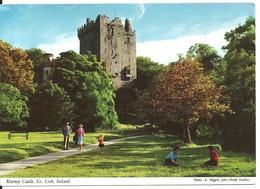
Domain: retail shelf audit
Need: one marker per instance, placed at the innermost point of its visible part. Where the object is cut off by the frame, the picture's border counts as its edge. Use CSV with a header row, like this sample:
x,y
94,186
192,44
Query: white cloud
x,y
63,43
142,8
4,8
165,51
123,20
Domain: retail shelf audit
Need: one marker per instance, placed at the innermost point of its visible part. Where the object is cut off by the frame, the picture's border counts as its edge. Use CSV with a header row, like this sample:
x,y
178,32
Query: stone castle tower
x,y
48,66
114,44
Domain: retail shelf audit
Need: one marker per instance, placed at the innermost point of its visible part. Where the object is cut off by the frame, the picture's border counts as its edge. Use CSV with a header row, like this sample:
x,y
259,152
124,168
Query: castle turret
x,y
48,66
128,26
88,20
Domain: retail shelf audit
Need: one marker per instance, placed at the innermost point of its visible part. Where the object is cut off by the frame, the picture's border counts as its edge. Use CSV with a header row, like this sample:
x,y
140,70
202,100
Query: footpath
x,y
7,168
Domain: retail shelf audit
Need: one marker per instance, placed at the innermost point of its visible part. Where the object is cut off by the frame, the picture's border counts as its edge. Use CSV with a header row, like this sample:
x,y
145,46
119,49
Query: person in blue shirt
x,y
171,159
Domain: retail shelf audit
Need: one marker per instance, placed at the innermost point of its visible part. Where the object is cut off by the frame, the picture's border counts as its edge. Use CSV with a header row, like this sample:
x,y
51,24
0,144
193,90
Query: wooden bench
x,y
18,134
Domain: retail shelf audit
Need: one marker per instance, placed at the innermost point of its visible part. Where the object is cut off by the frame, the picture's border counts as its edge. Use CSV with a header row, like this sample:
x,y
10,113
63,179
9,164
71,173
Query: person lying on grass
x,y
214,158
171,159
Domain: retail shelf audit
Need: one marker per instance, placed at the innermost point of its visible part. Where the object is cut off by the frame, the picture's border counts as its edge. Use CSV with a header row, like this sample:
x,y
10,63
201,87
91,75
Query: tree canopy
x,y
90,87
240,81
242,37
50,107
183,93
36,55
147,71
13,108
15,68
206,55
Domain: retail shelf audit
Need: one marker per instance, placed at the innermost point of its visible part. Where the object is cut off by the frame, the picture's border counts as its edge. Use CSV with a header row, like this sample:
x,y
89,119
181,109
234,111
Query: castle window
x,y
129,59
105,50
105,39
126,73
128,39
47,72
112,51
116,62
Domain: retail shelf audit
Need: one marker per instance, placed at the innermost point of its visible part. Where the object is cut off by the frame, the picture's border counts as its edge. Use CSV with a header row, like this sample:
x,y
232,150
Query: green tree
x,y
147,71
15,68
50,108
242,37
206,55
126,96
13,108
89,85
214,66
184,94
239,130
36,55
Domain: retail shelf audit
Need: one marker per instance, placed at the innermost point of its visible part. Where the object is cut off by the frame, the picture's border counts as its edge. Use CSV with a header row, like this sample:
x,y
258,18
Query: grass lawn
x,y
144,157
40,143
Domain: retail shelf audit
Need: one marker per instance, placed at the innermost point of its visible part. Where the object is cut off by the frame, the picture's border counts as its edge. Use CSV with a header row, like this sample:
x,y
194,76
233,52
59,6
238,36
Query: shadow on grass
x,y
128,153
144,157
30,146
26,150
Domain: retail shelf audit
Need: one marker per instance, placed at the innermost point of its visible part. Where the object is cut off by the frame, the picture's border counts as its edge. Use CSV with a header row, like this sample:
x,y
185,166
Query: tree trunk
x,y
186,133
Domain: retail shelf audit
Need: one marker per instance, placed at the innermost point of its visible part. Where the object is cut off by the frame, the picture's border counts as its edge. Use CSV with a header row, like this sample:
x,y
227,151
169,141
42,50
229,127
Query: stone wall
x,y
114,44
89,38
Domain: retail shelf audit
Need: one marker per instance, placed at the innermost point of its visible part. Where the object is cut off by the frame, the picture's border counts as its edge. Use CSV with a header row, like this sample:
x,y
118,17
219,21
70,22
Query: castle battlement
x,y
90,24
86,27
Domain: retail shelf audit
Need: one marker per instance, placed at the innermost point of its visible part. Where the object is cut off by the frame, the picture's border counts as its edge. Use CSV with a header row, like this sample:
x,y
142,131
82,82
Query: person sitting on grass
x,y
171,159
101,143
214,158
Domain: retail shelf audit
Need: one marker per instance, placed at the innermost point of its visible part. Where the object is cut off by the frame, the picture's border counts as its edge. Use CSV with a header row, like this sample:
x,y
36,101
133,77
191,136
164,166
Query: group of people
x,y
79,137
171,159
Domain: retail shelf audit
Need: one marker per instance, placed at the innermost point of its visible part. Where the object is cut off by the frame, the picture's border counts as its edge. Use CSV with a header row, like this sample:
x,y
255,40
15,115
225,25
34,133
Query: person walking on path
x,y
81,134
101,143
171,159
66,133
214,158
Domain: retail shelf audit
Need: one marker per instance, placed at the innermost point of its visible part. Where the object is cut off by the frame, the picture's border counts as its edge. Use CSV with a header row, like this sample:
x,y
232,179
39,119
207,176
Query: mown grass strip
x,y
144,157
42,143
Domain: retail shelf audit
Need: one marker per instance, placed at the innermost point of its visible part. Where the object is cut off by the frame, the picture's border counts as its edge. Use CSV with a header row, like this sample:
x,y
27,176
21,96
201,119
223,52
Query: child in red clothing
x,y
101,143
214,158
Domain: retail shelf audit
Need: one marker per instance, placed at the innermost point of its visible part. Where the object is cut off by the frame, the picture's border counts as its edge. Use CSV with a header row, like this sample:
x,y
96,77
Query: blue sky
x,y
163,30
